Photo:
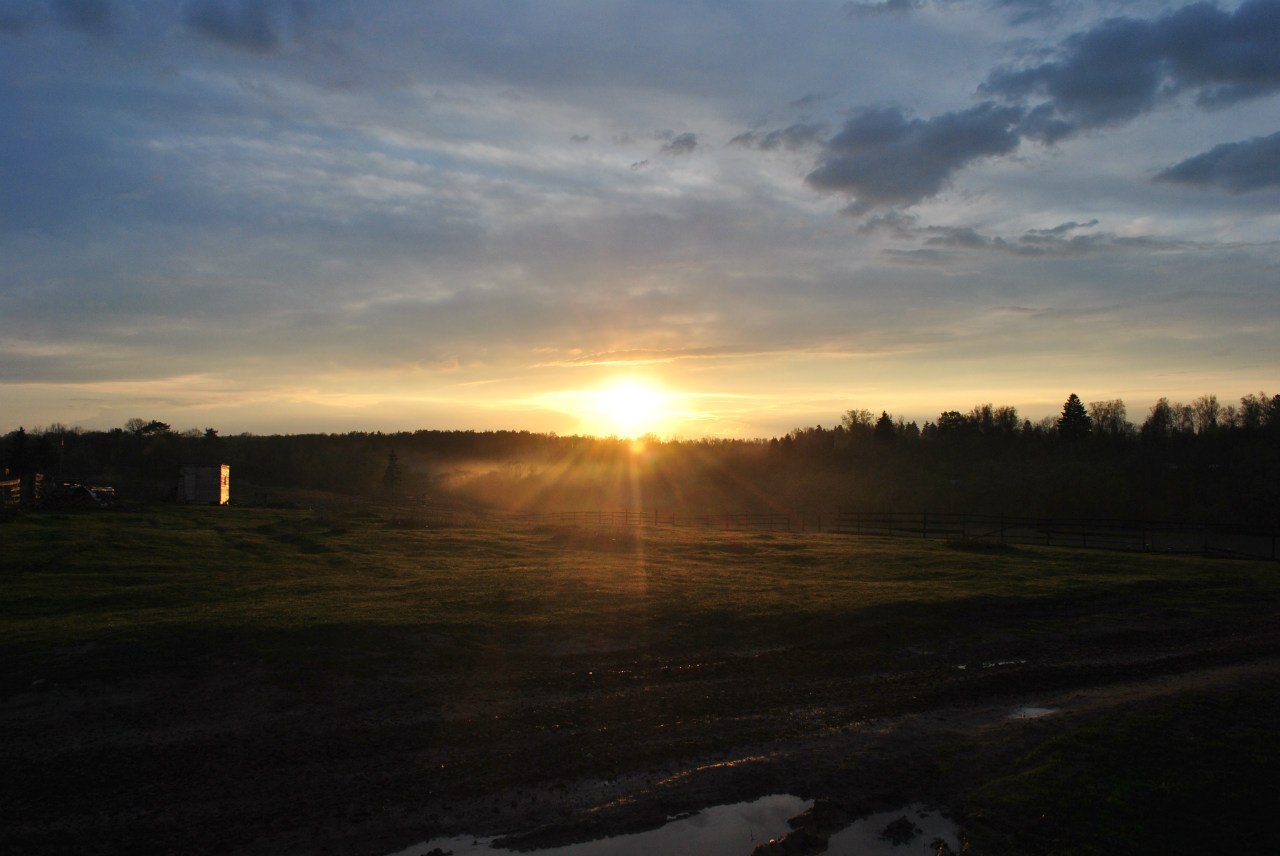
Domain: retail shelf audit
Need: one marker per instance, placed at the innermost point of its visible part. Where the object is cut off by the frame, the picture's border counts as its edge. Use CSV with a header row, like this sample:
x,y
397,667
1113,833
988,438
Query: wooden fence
x,y
1143,535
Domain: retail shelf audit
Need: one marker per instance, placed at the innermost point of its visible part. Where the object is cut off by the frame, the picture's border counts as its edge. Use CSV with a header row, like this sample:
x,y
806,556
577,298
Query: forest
x,y
1202,462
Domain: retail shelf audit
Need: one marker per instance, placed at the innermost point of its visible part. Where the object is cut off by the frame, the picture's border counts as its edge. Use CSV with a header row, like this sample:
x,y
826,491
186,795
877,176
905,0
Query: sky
x,y
711,218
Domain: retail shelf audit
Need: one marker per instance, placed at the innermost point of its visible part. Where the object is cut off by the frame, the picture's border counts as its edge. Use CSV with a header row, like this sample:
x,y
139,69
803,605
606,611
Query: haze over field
x,y
695,218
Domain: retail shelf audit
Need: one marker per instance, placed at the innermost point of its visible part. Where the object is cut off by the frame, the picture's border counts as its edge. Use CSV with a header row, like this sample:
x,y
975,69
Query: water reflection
x,y
911,830
726,830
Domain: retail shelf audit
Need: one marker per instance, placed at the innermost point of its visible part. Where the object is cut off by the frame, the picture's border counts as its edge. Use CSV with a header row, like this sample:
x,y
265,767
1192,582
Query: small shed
x,y
204,484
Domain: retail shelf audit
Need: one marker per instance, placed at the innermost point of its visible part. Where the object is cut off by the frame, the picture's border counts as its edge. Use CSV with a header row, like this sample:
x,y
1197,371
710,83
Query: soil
x,y
220,756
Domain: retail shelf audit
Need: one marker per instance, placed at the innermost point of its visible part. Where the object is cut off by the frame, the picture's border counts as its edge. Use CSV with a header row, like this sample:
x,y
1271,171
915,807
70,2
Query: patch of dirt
x,y
225,760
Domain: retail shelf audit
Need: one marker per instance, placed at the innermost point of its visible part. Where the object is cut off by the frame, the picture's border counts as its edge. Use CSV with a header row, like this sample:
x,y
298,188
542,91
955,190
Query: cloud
x,y
1018,11
88,16
1233,167
881,157
1229,57
1027,11
247,25
1122,67
862,8
1063,228
683,144
791,138
1057,242
894,223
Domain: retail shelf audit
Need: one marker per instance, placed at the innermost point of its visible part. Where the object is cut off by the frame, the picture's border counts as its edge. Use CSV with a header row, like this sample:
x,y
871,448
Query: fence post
x,y
1002,527
924,525
964,526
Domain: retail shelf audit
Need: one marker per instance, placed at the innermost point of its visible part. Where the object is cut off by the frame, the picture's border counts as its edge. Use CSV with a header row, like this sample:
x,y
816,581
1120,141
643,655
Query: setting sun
x,y
631,407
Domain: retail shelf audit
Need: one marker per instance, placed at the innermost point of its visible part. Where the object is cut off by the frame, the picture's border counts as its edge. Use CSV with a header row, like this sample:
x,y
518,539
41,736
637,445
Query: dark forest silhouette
x,y
1199,462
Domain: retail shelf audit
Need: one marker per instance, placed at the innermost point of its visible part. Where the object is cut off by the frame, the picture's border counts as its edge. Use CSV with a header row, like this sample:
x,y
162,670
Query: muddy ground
x,y
223,752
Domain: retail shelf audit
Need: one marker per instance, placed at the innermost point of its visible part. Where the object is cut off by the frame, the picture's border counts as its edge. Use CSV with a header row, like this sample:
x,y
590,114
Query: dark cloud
x,y
1107,77
959,236
1229,57
248,25
88,16
1018,11
793,137
1122,67
581,138
1233,167
881,157
1063,228
1057,242
681,145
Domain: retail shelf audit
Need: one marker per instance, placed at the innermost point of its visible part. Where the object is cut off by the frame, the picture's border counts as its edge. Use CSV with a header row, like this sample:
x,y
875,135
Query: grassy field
x,y
253,680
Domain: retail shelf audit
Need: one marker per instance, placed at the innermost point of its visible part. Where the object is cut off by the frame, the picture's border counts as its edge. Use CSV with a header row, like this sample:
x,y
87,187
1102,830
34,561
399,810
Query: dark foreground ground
x,y
300,682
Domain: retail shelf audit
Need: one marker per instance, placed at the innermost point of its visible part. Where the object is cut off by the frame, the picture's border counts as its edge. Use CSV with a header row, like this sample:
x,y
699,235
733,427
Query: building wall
x,y
205,485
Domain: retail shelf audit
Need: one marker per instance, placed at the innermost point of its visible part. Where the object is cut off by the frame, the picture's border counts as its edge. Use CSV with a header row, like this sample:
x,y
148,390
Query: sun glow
x,y
630,407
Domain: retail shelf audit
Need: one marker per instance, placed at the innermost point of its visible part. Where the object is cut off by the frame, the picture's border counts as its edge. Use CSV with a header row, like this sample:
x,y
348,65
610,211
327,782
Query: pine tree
x,y
884,431
1075,422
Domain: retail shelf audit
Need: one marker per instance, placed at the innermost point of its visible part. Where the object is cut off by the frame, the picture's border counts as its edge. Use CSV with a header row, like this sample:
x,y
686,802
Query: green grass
x,y
69,578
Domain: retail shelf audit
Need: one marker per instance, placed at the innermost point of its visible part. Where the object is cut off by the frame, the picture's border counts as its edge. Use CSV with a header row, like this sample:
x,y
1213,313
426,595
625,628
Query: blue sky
x,y
305,215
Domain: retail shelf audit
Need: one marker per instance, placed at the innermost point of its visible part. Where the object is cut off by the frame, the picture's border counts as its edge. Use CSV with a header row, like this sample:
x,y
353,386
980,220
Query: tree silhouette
x,y
884,430
393,475
1159,423
1074,423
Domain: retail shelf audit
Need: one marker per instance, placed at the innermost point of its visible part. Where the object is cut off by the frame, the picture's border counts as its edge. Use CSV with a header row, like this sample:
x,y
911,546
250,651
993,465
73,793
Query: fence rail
x,y
1143,535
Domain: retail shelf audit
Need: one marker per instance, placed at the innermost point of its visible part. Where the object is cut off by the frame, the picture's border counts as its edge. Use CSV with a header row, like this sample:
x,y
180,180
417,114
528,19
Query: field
x,y
351,681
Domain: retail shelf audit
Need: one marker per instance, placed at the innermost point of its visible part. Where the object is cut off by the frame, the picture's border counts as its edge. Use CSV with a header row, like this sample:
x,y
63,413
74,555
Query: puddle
x,y
1030,712
993,664
725,830
923,828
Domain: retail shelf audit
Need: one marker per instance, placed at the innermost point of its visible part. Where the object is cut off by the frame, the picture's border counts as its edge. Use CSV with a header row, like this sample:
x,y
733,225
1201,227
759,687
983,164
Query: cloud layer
x,y
440,207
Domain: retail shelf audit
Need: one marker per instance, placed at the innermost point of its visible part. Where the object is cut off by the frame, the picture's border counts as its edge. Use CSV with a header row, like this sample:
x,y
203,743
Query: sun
x,y
628,407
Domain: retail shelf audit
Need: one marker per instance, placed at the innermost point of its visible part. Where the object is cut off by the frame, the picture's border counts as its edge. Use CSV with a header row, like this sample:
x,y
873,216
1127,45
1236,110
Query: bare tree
x,y
1184,418
1110,418
1207,413
1159,423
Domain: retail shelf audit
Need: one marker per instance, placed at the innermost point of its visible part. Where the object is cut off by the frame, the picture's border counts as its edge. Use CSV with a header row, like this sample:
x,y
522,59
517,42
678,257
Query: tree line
x,y
1257,414
1197,461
